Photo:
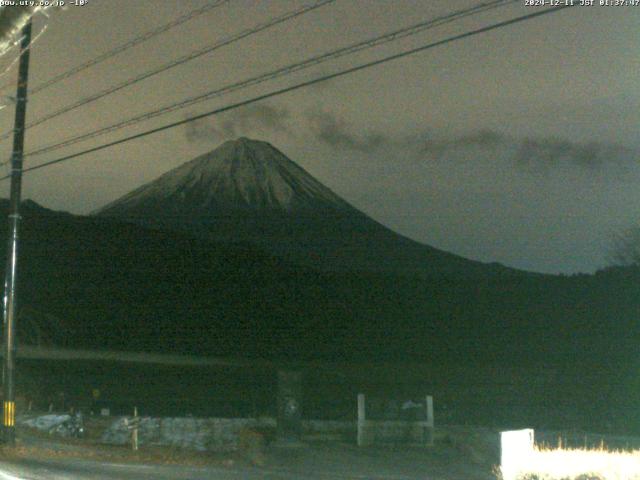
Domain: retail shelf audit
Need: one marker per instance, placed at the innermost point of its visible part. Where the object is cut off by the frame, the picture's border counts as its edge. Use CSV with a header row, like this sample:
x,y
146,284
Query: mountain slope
x,y
113,285
248,191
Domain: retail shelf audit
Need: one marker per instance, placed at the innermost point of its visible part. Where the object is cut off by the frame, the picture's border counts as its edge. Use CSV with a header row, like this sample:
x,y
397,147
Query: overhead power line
x,y
280,72
127,45
179,61
298,86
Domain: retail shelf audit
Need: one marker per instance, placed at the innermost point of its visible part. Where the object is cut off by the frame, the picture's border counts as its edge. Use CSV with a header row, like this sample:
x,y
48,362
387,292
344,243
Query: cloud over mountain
x,y
330,129
237,122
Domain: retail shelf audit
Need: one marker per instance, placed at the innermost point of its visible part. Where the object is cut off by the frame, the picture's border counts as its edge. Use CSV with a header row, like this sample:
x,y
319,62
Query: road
x,y
328,463
88,470
34,470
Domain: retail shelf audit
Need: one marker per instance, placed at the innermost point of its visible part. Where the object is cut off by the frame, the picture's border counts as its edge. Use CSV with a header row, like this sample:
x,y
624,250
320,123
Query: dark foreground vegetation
x,y
558,343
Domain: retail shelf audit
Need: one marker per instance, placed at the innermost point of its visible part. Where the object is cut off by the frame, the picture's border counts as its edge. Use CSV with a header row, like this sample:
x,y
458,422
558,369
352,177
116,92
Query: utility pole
x,y
10,301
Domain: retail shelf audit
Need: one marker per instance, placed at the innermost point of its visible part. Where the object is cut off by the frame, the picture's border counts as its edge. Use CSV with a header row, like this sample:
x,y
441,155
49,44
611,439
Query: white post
x,y
134,434
361,419
430,420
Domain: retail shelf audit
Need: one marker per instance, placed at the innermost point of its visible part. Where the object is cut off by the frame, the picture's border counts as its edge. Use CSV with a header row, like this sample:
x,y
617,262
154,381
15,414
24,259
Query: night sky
x,y
520,145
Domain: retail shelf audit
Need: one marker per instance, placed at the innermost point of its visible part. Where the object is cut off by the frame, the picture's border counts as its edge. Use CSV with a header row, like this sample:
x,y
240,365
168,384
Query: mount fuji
x,y
247,191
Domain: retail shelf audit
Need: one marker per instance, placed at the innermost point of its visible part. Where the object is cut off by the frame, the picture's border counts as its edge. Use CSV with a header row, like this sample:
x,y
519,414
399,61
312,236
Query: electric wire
x,y
280,72
127,45
179,61
298,86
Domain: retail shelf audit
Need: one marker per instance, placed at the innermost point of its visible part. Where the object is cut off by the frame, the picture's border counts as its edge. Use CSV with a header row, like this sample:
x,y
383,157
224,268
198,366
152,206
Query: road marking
x,y
131,465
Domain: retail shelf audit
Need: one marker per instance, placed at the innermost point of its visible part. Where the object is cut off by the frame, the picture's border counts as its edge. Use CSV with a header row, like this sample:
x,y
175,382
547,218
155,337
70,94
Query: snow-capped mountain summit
x,y
242,174
247,191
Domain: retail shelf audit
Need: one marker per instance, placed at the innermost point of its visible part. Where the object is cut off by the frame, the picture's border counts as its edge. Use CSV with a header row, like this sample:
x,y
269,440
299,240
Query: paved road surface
x,y
85,470
328,463
34,470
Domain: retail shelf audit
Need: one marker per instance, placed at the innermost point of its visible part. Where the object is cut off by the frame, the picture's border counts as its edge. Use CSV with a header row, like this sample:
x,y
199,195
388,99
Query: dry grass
x,y
578,464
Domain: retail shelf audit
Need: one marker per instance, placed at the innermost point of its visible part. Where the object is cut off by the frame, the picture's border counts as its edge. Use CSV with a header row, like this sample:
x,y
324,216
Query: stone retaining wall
x,y
208,434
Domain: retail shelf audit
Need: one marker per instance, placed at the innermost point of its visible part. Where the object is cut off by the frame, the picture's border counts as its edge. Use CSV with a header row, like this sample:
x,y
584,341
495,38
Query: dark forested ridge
x,y
98,283
94,283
